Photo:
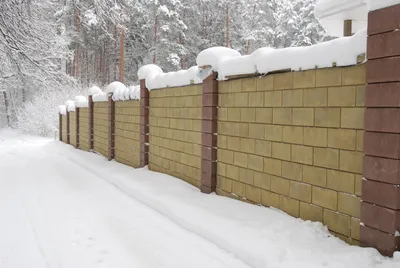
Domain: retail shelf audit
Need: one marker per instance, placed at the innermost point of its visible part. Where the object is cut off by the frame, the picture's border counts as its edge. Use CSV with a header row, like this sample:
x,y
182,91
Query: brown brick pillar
x,y
60,126
380,208
77,126
111,128
209,137
68,118
144,124
91,122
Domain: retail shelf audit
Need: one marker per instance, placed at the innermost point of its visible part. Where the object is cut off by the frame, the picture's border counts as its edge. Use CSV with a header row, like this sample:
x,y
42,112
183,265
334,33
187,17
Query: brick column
x,y
68,118
77,126
380,208
60,127
209,137
111,128
91,122
144,123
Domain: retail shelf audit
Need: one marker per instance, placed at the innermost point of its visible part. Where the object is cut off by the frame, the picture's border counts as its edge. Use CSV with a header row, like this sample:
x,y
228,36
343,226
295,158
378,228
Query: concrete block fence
x,y
321,145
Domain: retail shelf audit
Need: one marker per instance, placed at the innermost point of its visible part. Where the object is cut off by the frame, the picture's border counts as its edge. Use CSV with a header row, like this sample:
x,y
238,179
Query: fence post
x,y
68,128
60,126
144,123
91,123
111,128
380,194
209,137
77,126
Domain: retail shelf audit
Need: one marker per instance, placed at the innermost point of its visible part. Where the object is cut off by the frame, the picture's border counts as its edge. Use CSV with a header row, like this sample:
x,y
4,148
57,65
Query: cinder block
x,y
342,96
241,99
327,117
300,191
355,228
262,180
238,188
342,139
273,133
360,140
351,161
328,77
273,99
256,131
232,172
253,194
316,137
263,148
273,166
283,81
270,199
292,171
314,175
264,115
315,97
304,79
355,75
325,157
360,96
302,154
280,185
248,114
349,204
293,134
256,162
265,83
282,116
358,185
256,99
281,151
292,98
226,156
324,198
240,159
310,212
337,222
249,84
221,169
246,176
289,205
353,118
246,145
235,85
233,114
233,143
303,116
340,181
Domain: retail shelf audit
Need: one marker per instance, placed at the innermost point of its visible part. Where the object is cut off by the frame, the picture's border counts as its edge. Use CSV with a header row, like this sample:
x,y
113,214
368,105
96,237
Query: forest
x,y
52,50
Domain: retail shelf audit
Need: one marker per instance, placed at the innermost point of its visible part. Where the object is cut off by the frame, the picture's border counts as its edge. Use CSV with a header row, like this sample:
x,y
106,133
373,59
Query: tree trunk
x,y
121,56
227,27
115,52
155,38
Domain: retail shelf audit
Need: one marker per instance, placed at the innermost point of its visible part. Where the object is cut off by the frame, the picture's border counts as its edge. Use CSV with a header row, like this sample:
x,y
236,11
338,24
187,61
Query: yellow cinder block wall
x,y
100,128
294,141
175,132
84,129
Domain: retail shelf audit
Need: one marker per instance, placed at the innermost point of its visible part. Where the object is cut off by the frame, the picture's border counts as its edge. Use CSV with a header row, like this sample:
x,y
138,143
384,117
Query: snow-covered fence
x,y
281,128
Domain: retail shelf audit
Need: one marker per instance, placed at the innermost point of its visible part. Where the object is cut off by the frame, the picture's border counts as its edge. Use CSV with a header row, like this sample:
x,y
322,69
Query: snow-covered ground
x,y
62,207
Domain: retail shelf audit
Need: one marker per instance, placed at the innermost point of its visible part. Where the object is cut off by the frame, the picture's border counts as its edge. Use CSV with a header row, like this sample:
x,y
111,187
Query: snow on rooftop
x,y
81,102
156,79
62,109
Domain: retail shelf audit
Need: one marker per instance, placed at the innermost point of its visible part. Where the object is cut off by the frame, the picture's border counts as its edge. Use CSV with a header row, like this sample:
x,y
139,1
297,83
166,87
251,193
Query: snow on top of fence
x,y
81,102
214,55
70,104
156,79
62,109
378,4
338,52
101,96
94,90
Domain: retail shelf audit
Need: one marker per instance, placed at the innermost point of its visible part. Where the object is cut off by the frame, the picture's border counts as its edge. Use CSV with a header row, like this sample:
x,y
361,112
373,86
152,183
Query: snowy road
x,y
61,207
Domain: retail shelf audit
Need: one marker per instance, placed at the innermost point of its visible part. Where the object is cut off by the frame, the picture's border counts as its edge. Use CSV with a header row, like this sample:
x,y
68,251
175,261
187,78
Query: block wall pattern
x,y
294,141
